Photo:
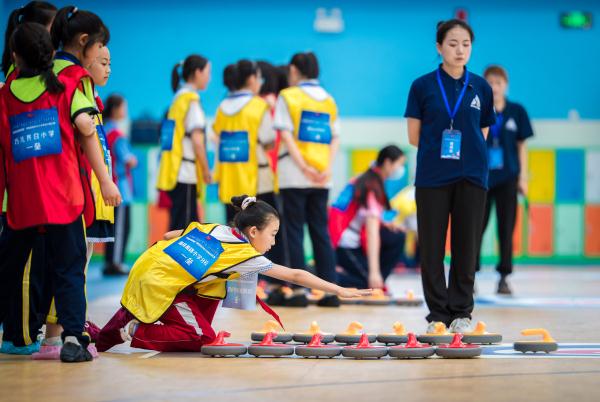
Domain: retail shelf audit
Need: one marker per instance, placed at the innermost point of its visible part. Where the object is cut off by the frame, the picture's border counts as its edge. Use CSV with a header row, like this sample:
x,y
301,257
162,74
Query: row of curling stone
x,y
353,333
377,298
362,350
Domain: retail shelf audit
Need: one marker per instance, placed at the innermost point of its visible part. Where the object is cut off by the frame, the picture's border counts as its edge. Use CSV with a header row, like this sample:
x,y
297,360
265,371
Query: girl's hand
x,y
353,293
523,186
311,173
110,193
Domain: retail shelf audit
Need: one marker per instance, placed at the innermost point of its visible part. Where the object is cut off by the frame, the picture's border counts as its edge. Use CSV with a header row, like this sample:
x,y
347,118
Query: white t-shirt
x,y
266,135
194,119
247,268
351,236
290,175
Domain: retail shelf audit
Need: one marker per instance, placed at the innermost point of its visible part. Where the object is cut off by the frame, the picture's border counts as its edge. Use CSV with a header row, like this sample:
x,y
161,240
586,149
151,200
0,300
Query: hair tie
x,y
247,201
72,13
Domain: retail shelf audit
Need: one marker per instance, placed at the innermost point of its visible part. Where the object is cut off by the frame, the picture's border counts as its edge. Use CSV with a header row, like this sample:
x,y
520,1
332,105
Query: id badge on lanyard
x,y
495,152
451,138
241,293
105,150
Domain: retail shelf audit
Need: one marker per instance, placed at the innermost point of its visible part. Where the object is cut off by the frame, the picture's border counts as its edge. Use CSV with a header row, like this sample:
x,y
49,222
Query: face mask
x,y
398,173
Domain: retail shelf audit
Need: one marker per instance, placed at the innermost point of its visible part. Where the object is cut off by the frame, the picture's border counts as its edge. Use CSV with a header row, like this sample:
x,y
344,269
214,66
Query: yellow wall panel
x,y
542,170
361,159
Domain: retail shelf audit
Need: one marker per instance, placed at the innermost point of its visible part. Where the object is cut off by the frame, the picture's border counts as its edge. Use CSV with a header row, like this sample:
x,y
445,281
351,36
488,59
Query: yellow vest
x,y
313,122
237,167
103,211
170,158
157,277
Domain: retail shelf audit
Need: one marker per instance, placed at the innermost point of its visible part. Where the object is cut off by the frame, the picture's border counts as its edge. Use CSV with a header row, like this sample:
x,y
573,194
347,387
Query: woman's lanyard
x,y
451,113
496,129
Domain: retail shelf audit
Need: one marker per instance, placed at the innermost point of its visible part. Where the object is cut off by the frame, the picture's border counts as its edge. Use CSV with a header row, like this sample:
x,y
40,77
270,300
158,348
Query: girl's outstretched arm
x,y
306,279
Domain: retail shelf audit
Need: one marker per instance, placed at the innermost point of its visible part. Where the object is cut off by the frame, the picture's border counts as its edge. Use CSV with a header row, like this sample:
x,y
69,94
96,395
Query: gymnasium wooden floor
x,y
544,300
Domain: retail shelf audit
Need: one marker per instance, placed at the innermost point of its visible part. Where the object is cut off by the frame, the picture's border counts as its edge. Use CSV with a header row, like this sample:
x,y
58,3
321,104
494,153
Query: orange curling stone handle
x,y
546,337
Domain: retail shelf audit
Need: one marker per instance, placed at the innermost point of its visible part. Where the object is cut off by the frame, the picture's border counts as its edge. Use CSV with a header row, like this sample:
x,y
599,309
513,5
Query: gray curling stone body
x,y
458,353
322,351
224,350
411,353
305,338
282,337
435,339
274,350
409,303
352,339
392,339
528,346
376,302
365,353
485,339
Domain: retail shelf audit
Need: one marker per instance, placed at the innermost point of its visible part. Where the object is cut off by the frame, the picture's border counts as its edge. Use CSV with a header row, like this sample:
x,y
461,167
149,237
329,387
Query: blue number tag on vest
x,y
104,144
389,215
451,144
234,146
34,134
495,158
196,252
241,293
345,198
167,132
315,127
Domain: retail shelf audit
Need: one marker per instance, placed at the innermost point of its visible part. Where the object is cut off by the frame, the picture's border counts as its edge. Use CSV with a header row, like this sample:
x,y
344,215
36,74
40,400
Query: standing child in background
x,y
42,13
35,11
243,125
181,280
183,166
308,119
115,111
51,204
507,156
103,228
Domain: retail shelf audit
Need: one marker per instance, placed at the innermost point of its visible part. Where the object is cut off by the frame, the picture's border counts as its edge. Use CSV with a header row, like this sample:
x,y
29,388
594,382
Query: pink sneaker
x,y
47,352
110,335
92,329
52,352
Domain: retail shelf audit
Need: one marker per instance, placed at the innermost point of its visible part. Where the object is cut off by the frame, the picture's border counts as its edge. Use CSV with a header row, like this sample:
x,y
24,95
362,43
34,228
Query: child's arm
x,y
306,279
173,234
91,148
200,151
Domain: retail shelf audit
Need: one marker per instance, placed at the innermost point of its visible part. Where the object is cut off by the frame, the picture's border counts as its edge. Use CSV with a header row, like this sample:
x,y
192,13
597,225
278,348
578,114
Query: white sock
x,y
52,341
72,339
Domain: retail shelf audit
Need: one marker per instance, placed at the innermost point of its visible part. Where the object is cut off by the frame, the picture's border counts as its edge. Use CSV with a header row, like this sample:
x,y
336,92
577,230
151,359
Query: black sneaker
x,y
74,353
276,297
296,300
503,288
114,270
329,301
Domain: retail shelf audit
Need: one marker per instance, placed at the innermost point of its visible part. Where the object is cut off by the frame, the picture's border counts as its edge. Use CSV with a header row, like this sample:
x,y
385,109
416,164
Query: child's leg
x,y
186,326
110,334
67,261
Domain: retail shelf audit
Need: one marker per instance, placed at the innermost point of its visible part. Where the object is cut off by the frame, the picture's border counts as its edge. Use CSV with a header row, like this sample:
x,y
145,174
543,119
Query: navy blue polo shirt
x,y
513,126
425,102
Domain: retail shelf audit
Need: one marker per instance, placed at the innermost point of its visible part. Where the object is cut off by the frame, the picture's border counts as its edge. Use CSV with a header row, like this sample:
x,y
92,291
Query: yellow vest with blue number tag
x,y
170,266
237,165
172,156
315,151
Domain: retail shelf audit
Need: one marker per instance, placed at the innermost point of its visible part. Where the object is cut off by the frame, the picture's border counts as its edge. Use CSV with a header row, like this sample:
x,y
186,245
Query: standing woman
x,y
307,117
183,160
508,168
449,112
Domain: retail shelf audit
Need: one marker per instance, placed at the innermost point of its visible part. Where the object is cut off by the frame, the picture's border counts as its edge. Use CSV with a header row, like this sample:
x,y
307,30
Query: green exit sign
x,y
576,20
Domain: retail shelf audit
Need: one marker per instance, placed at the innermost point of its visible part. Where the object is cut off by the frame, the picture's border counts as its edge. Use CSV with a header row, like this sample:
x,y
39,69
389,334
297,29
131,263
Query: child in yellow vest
x,y
243,124
183,161
307,117
181,280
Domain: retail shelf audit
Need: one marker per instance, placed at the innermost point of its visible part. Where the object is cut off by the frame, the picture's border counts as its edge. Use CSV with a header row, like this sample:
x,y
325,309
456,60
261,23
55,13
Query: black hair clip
x,y
72,13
